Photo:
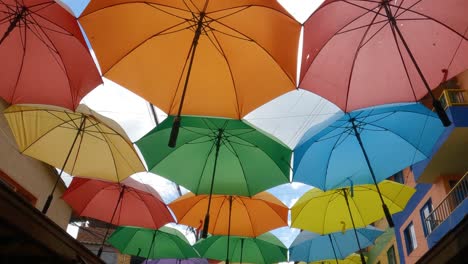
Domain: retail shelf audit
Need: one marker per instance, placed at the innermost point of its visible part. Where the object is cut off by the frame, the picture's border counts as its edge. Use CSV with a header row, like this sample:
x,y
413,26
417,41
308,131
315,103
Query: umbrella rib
x,y
223,197
204,166
361,27
129,240
90,198
250,217
244,174
62,65
23,41
65,32
398,135
338,248
146,204
330,198
153,5
357,53
328,161
78,150
428,17
333,35
40,137
358,209
223,54
262,48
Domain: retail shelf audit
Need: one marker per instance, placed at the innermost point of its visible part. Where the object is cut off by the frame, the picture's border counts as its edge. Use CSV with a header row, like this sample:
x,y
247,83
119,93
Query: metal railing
x,y
454,198
453,97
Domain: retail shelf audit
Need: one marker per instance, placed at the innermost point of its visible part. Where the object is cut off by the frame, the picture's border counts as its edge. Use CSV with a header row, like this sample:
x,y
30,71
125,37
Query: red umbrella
x,y
127,203
360,53
45,59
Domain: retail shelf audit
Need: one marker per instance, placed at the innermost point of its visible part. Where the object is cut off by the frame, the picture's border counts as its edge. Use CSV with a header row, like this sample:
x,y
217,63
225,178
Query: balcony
x,y
448,157
449,213
454,97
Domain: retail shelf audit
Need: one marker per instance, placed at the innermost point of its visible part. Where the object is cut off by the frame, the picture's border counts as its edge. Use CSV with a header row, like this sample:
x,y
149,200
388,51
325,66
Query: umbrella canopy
x,y
249,216
327,212
176,261
217,155
310,247
45,59
393,137
97,146
260,250
165,242
83,142
351,259
387,51
126,203
203,54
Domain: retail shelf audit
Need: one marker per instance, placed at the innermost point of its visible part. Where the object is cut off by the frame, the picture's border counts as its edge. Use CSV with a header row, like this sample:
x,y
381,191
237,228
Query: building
x,y
432,228
26,235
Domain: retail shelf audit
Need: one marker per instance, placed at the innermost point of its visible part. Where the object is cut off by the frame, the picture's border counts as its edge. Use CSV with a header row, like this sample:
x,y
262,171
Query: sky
x,y
288,117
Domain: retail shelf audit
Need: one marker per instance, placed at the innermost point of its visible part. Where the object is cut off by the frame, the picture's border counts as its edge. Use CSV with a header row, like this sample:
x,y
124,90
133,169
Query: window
x,y
399,177
410,238
427,223
391,255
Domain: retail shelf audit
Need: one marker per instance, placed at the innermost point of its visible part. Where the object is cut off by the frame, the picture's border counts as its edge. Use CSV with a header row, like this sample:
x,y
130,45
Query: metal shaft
x,y
363,260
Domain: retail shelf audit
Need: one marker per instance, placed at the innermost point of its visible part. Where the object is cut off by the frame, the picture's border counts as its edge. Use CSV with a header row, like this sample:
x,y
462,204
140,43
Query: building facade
x,y
432,228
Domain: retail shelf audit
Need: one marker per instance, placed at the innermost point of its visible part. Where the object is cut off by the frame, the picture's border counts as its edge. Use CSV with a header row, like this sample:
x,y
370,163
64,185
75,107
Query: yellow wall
x,y
34,176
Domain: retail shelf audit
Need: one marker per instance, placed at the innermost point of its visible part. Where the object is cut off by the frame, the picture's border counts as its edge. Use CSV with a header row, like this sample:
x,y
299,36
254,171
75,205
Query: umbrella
x,y
376,142
250,216
196,57
176,261
45,59
217,156
312,247
166,242
81,143
126,203
351,259
364,53
262,249
341,209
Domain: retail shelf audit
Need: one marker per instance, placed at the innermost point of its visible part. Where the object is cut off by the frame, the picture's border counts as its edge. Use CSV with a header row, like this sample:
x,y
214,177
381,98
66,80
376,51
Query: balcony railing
x,y
453,199
454,97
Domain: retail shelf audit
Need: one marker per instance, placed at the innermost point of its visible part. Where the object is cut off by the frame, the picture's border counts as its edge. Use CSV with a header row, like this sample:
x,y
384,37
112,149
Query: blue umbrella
x,y
366,146
311,247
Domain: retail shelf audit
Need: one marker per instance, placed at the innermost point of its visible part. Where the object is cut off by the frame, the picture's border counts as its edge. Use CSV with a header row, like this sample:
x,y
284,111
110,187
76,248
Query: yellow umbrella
x,y
351,259
213,58
232,214
81,143
340,209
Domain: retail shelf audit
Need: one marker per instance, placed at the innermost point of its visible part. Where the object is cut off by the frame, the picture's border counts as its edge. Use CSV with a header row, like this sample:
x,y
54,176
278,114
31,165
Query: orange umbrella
x,y
214,58
232,214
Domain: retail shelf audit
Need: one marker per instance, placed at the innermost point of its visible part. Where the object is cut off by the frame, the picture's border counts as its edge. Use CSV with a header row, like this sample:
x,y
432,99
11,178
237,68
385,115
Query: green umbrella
x,y
165,242
263,249
217,156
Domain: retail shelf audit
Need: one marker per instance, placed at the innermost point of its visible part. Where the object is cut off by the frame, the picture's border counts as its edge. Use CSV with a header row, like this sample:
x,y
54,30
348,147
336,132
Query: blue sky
x,y
286,117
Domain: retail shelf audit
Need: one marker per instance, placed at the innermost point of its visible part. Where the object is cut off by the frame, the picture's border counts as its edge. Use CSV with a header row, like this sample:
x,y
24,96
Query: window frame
x,y
426,226
411,241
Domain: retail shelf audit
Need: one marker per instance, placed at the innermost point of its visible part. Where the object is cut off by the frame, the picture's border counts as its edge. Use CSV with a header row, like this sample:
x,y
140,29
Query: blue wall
x,y
451,222
400,218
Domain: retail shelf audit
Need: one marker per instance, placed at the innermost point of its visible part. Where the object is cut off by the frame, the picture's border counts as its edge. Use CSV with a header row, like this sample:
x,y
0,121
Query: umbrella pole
x,y
151,247
435,102
229,230
363,260
333,247
110,222
14,22
193,48
51,195
388,216
242,250
206,223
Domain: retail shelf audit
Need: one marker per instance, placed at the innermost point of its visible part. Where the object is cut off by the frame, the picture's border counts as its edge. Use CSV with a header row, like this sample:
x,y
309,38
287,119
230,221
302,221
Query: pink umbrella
x,y
45,59
360,53
128,203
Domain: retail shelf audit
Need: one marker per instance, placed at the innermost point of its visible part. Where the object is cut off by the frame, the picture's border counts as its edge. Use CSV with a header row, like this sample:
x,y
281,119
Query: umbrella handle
x,y
206,224
441,112
388,216
47,203
174,132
